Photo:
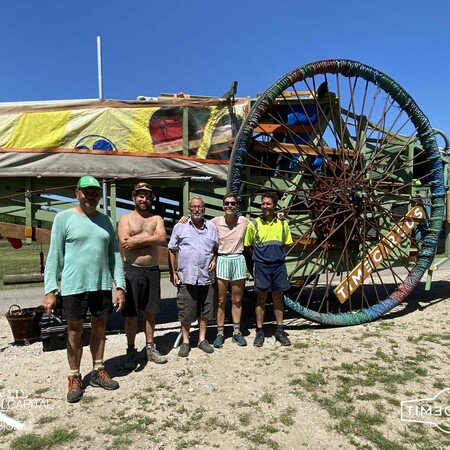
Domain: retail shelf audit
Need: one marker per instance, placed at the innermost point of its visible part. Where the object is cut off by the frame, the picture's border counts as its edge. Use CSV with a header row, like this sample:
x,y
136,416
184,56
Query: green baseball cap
x,y
88,181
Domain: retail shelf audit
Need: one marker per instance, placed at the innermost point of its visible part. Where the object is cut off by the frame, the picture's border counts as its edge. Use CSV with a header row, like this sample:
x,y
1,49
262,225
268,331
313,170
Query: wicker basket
x,y
24,323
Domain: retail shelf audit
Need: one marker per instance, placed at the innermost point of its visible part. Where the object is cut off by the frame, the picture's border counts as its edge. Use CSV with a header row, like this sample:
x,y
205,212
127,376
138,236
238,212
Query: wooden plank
x,y
13,230
277,128
302,244
296,94
298,149
42,235
379,253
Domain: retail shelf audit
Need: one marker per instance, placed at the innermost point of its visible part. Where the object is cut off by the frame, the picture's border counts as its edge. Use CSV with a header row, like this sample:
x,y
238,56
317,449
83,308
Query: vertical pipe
x,y
28,212
100,96
113,200
100,67
105,197
186,181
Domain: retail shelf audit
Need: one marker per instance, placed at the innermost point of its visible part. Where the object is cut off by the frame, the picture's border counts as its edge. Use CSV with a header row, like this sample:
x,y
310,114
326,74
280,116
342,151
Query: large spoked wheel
x,y
360,180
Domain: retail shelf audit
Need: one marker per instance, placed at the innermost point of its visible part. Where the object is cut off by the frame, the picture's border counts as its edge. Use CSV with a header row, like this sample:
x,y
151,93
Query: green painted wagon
x,y
357,166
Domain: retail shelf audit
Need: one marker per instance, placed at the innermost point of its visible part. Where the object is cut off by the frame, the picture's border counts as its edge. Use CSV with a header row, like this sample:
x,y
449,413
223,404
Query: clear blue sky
x,y
49,48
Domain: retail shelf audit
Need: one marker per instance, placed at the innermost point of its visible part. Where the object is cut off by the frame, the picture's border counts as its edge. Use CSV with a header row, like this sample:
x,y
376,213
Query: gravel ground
x,y
238,397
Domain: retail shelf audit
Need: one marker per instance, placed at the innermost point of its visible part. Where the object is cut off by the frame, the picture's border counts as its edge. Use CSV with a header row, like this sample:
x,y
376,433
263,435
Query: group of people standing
x,y
206,259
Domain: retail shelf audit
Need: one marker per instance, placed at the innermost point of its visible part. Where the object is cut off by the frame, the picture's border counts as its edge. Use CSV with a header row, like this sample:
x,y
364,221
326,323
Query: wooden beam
x,y
278,128
307,244
13,230
298,149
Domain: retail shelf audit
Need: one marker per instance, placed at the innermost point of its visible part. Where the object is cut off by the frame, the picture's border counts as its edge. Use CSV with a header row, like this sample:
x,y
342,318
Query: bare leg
x,y
260,308
74,343
131,326
222,286
237,292
185,328
202,326
278,307
98,325
149,324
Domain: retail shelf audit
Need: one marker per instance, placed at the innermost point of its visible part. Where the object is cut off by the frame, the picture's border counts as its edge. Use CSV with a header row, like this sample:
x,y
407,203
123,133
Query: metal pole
x,y
105,197
178,340
100,96
100,68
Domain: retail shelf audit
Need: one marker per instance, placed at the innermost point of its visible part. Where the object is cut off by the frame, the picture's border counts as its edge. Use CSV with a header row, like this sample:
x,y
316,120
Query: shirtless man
x,y
140,234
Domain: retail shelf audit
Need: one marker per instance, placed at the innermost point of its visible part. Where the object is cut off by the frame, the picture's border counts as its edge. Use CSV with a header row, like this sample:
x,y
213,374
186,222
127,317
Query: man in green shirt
x,y
84,252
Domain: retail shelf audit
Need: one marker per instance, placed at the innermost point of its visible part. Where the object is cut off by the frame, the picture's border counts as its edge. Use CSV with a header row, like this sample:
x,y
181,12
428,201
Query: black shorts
x,y
194,301
143,290
76,306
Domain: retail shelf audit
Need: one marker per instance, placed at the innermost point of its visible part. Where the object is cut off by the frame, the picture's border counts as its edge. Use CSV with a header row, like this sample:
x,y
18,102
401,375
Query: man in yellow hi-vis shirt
x,y
266,238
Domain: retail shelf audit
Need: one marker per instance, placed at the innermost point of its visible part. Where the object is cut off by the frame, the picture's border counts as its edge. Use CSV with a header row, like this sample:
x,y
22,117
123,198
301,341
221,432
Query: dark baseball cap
x,y
142,186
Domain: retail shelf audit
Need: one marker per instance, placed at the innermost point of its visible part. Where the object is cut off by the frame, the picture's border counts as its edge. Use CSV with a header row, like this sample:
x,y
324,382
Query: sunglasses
x,y
229,203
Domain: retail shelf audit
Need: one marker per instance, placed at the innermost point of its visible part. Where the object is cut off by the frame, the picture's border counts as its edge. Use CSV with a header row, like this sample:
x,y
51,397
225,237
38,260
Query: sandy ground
x,y
237,397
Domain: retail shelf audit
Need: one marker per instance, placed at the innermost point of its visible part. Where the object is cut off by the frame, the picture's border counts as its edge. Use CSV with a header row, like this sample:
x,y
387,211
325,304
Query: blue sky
x,y
49,48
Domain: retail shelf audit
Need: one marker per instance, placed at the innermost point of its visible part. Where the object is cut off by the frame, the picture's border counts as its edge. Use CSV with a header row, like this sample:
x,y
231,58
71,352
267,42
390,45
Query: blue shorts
x,y
270,277
231,267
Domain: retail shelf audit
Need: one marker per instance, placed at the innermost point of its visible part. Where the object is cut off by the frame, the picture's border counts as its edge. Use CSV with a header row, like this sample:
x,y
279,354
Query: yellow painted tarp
x,y
149,129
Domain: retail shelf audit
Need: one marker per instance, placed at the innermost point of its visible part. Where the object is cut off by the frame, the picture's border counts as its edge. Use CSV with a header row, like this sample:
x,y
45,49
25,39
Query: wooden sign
x,y
379,253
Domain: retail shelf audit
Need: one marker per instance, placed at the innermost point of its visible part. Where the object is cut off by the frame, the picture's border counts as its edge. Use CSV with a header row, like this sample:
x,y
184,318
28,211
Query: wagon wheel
x,y
357,168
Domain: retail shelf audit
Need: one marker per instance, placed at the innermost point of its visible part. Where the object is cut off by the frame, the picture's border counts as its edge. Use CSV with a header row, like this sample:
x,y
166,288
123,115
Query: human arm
x,y
119,299
144,238
123,233
215,236
116,266
249,236
173,254
54,265
249,241
119,296
49,302
55,259
287,234
213,263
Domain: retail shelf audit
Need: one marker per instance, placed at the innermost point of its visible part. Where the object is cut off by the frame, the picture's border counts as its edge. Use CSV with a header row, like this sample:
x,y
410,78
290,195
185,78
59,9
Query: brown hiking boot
x,y
99,378
75,389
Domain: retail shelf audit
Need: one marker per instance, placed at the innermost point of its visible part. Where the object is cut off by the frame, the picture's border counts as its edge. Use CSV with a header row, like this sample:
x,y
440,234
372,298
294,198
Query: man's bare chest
x,y
142,225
